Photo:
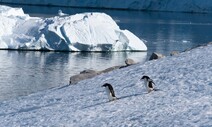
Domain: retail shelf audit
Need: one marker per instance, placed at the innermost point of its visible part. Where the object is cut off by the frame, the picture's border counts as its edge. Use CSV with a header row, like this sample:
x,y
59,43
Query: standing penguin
x,y
110,92
148,83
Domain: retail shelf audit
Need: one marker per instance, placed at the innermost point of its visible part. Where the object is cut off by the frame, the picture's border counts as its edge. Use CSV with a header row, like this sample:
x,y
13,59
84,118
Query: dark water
x,y
25,72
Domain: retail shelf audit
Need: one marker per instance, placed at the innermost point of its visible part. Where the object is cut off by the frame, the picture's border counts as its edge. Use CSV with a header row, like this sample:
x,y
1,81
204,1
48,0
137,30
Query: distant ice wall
x,y
203,6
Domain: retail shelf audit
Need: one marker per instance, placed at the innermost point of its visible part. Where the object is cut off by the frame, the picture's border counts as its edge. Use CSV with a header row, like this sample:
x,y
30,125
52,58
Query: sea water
x,y
26,72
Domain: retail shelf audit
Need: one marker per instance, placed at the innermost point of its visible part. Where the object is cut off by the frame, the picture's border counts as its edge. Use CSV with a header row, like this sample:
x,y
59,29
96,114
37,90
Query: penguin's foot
x,y
114,98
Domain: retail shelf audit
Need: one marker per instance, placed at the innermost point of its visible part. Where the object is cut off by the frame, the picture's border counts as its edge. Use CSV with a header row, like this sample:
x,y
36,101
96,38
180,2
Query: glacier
x,y
200,6
79,32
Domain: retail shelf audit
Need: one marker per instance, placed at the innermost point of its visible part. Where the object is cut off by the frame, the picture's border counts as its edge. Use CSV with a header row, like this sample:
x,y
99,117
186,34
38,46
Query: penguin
x,y
148,83
110,92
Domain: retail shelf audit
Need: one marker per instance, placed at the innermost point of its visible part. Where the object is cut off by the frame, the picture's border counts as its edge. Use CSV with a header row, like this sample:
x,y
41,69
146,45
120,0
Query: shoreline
x,y
87,74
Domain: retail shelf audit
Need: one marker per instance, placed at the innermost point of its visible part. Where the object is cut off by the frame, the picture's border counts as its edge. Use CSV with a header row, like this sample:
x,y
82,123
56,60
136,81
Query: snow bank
x,y
80,32
153,5
184,99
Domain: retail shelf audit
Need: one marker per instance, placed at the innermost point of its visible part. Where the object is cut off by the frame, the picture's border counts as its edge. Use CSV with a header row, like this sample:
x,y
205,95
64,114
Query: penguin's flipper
x,y
113,93
151,84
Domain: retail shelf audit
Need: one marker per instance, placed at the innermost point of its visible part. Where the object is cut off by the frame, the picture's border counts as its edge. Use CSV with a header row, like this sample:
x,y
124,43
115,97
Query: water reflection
x,y
25,72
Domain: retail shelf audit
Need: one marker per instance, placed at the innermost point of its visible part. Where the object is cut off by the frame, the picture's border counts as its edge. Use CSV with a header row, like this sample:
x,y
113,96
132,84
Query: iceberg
x,y
79,32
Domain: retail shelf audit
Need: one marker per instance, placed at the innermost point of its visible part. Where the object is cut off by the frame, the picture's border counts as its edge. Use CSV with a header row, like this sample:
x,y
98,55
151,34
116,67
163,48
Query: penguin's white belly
x,y
109,94
147,86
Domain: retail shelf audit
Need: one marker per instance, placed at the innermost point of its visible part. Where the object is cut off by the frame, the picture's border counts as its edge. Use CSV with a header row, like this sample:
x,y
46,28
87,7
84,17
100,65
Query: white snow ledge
x,y
80,32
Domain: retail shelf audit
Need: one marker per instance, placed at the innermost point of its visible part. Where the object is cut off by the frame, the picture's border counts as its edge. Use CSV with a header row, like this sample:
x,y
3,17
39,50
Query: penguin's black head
x,y
145,77
106,85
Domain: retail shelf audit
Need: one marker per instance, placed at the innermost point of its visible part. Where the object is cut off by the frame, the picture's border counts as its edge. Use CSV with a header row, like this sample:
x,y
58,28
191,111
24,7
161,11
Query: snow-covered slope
x,y
184,99
153,5
80,32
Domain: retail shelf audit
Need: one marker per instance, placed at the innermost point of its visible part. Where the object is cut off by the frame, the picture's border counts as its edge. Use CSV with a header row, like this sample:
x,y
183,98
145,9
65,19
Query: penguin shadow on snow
x,y
97,104
63,86
133,95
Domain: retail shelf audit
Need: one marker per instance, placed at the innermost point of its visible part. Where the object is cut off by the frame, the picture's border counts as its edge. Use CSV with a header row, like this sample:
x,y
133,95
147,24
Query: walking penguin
x,y
148,82
110,92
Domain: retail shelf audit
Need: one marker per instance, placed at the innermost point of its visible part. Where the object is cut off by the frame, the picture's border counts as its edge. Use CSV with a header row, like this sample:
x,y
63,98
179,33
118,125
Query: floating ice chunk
x,y
80,32
60,13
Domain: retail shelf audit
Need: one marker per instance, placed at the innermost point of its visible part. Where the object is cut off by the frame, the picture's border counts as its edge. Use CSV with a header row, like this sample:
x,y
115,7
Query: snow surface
x,y
203,6
80,32
184,99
